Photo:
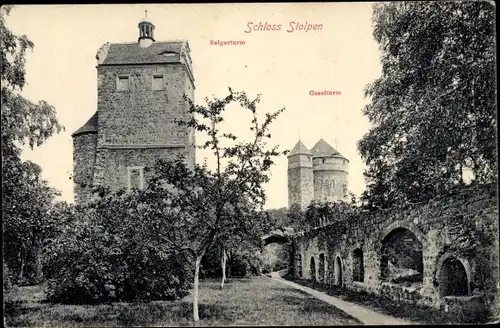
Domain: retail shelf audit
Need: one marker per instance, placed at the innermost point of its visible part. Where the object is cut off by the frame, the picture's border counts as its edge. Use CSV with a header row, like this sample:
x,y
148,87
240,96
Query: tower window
x,y
158,82
135,177
122,83
323,161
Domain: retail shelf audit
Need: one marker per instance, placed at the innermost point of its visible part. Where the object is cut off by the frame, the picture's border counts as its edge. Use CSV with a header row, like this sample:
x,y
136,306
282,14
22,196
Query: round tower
x,y
330,171
300,176
84,153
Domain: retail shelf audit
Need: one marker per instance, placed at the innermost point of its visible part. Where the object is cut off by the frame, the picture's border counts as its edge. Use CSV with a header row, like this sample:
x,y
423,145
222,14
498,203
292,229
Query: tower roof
x,y
89,127
145,20
299,148
324,149
133,53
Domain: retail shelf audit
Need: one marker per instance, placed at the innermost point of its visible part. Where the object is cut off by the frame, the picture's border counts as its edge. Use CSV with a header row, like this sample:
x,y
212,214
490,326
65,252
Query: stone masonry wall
x,y
138,126
300,186
114,162
141,115
84,152
463,226
329,185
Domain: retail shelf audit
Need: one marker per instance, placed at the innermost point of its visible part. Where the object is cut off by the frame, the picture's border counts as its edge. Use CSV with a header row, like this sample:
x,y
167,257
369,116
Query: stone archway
x,y
408,226
401,257
339,274
454,276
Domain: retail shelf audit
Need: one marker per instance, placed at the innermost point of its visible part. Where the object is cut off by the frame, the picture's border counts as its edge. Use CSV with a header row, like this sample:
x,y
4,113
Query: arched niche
x,y
358,269
339,274
321,268
312,268
454,276
401,257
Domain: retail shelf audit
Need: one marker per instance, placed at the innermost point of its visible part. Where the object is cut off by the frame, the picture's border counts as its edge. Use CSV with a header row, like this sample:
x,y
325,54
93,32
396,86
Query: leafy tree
x,y
433,108
321,213
25,197
203,205
296,217
28,222
242,240
279,216
112,250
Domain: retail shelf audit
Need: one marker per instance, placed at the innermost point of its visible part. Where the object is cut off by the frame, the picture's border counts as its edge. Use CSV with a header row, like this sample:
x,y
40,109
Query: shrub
x,y
110,252
7,279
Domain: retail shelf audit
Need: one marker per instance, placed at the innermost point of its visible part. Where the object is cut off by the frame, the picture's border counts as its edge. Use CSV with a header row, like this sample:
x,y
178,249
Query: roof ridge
x,y
123,43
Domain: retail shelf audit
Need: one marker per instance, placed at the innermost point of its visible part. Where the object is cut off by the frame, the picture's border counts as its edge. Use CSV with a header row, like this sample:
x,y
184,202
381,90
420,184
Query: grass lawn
x,y
243,301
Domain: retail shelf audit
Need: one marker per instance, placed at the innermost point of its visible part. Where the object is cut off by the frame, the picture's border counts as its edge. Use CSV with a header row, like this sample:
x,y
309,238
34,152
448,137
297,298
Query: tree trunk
x,y
223,266
196,314
21,259
37,254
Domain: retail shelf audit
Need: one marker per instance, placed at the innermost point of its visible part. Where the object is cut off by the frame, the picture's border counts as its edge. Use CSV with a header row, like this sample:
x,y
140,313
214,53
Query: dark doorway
x,y
321,269
299,266
453,278
358,270
312,267
338,272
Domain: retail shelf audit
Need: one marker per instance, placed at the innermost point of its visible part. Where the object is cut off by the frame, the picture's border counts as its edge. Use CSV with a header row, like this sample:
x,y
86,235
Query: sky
x,y
338,53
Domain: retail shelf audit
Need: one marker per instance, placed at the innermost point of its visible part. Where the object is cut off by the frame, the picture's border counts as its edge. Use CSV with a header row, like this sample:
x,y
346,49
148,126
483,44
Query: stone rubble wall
x,y
464,226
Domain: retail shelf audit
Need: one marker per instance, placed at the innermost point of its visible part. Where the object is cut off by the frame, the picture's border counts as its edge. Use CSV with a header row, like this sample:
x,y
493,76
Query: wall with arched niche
x,y
447,230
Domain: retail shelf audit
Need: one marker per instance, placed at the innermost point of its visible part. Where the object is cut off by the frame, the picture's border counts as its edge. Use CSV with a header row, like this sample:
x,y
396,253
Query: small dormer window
x,y
168,53
122,83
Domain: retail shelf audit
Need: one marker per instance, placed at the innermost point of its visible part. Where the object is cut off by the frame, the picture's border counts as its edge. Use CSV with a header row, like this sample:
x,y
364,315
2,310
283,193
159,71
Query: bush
x,y
7,279
111,252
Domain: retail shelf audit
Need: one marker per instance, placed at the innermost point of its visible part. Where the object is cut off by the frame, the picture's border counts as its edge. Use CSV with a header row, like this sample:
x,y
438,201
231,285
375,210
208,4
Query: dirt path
x,y
363,314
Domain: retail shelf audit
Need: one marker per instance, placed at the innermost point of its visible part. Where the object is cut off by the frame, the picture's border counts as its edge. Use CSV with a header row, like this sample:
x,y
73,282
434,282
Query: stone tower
x,y
319,174
140,92
330,173
300,176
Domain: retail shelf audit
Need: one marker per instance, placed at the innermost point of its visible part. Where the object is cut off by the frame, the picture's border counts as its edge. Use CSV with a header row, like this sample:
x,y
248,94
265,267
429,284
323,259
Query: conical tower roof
x,y
89,127
299,148
324,149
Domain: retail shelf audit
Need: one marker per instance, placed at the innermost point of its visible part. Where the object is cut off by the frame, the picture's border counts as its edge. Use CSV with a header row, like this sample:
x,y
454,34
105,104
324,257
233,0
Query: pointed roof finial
x,y
299,133
146,12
